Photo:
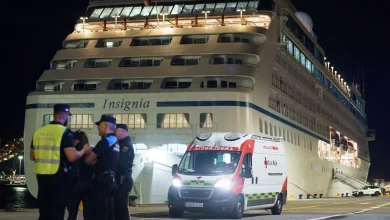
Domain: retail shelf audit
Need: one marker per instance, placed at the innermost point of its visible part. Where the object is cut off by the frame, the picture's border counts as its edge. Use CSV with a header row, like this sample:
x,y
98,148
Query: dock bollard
x,y
346,194
342,194
321,195
315,196
300,196
308,196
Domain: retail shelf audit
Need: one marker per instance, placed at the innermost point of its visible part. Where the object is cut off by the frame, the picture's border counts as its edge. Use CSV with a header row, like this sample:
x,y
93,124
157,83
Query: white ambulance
x,y
229,173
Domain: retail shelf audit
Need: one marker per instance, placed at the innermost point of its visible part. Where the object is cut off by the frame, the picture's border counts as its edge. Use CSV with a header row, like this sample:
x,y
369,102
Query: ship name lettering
x,y
125,104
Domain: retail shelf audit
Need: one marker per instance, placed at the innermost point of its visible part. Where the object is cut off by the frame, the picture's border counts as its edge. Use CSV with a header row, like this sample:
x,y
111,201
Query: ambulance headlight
x,y
224,184
176,182
234,136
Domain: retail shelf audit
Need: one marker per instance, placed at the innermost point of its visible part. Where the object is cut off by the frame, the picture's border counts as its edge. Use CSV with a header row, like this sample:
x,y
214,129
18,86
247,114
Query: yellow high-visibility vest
x,y
47,145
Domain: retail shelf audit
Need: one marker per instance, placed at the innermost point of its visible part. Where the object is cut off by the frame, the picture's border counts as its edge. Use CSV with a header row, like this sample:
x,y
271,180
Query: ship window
x,y
219,7
47,118
167,9
296,52
241,38
187,9
261,125
81,121
97,63
275,130
290,46
133,121
96,13
212,82
198,8
210,7
194,39
206,120
271,130
173,120
242,5
253,5
151,41
106,13
49,86
63,64
158,9
172,83
141,62
265,127
85,85
108,43
177,9
117,84
235,59
75,44
126,12
185,60
116,12
231,6
146,11
136,11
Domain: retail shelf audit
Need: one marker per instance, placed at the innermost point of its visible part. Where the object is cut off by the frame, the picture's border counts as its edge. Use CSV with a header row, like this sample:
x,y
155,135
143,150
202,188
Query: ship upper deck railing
x,y
156,22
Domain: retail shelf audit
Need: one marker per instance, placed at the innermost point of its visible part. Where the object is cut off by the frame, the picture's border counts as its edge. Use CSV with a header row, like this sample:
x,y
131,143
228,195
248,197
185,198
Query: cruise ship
x,y
173,69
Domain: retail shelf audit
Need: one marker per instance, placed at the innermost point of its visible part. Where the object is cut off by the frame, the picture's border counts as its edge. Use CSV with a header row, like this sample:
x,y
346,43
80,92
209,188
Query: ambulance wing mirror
x,y
247,172
174,168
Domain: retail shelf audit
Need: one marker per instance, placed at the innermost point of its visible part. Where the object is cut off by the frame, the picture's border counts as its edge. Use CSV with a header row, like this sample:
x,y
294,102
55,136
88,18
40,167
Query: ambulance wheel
x,y
277,209
238,210
175,213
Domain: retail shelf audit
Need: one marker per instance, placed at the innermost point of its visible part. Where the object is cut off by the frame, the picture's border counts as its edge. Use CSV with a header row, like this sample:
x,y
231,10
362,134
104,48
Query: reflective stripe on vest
x,y
47,144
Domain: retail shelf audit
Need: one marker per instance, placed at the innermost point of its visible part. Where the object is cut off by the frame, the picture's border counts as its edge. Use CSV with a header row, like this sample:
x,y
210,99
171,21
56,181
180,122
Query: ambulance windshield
x,y
211,163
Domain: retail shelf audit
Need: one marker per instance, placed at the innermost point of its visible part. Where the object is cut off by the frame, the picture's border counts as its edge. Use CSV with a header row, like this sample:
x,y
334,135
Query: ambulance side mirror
x,y
247,172
174,168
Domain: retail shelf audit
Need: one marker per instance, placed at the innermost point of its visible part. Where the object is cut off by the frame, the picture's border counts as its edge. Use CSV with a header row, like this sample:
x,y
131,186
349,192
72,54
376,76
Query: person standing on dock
x,y
104,158
123,173
52,151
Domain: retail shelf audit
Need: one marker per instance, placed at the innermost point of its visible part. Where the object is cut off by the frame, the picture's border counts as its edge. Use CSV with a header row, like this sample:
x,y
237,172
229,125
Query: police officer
x,y
123,173
82,188
104,158
52,151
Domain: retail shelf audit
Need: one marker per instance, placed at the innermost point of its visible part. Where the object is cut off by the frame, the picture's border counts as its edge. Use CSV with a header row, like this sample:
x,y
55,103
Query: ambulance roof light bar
x,y
234,136
203,137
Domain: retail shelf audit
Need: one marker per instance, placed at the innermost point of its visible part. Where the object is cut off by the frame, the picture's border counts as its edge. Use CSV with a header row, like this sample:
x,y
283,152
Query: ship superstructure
x,y
174,69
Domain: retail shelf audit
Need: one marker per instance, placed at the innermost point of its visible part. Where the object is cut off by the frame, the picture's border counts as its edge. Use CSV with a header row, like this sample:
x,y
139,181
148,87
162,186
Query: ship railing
x,y
123,24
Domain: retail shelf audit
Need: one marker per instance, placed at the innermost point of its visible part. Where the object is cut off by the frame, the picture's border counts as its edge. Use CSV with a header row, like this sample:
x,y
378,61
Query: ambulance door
x,y
248,188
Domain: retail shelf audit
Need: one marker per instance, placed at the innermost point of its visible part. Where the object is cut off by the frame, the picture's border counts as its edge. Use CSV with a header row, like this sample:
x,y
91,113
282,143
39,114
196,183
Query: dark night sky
x,y
351,33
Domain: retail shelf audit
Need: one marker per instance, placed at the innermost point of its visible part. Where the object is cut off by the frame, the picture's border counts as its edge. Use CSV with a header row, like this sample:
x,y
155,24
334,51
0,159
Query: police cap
x,y
62,108
123,126
106,118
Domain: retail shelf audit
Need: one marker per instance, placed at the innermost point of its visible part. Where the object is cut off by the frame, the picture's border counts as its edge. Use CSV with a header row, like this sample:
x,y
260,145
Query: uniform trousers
x,y
52,196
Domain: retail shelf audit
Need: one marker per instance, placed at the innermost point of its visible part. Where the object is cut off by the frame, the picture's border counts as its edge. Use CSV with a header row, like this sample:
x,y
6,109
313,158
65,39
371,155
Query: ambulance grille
x,y
196,193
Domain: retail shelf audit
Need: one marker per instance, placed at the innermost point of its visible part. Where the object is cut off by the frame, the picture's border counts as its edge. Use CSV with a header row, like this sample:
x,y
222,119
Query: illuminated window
x,y
75,121
173,120
206,120
81,122
47,119
131,120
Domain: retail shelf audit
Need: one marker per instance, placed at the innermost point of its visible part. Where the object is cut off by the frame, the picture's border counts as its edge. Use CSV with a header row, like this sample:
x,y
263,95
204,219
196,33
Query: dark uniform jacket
x,y
126,157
